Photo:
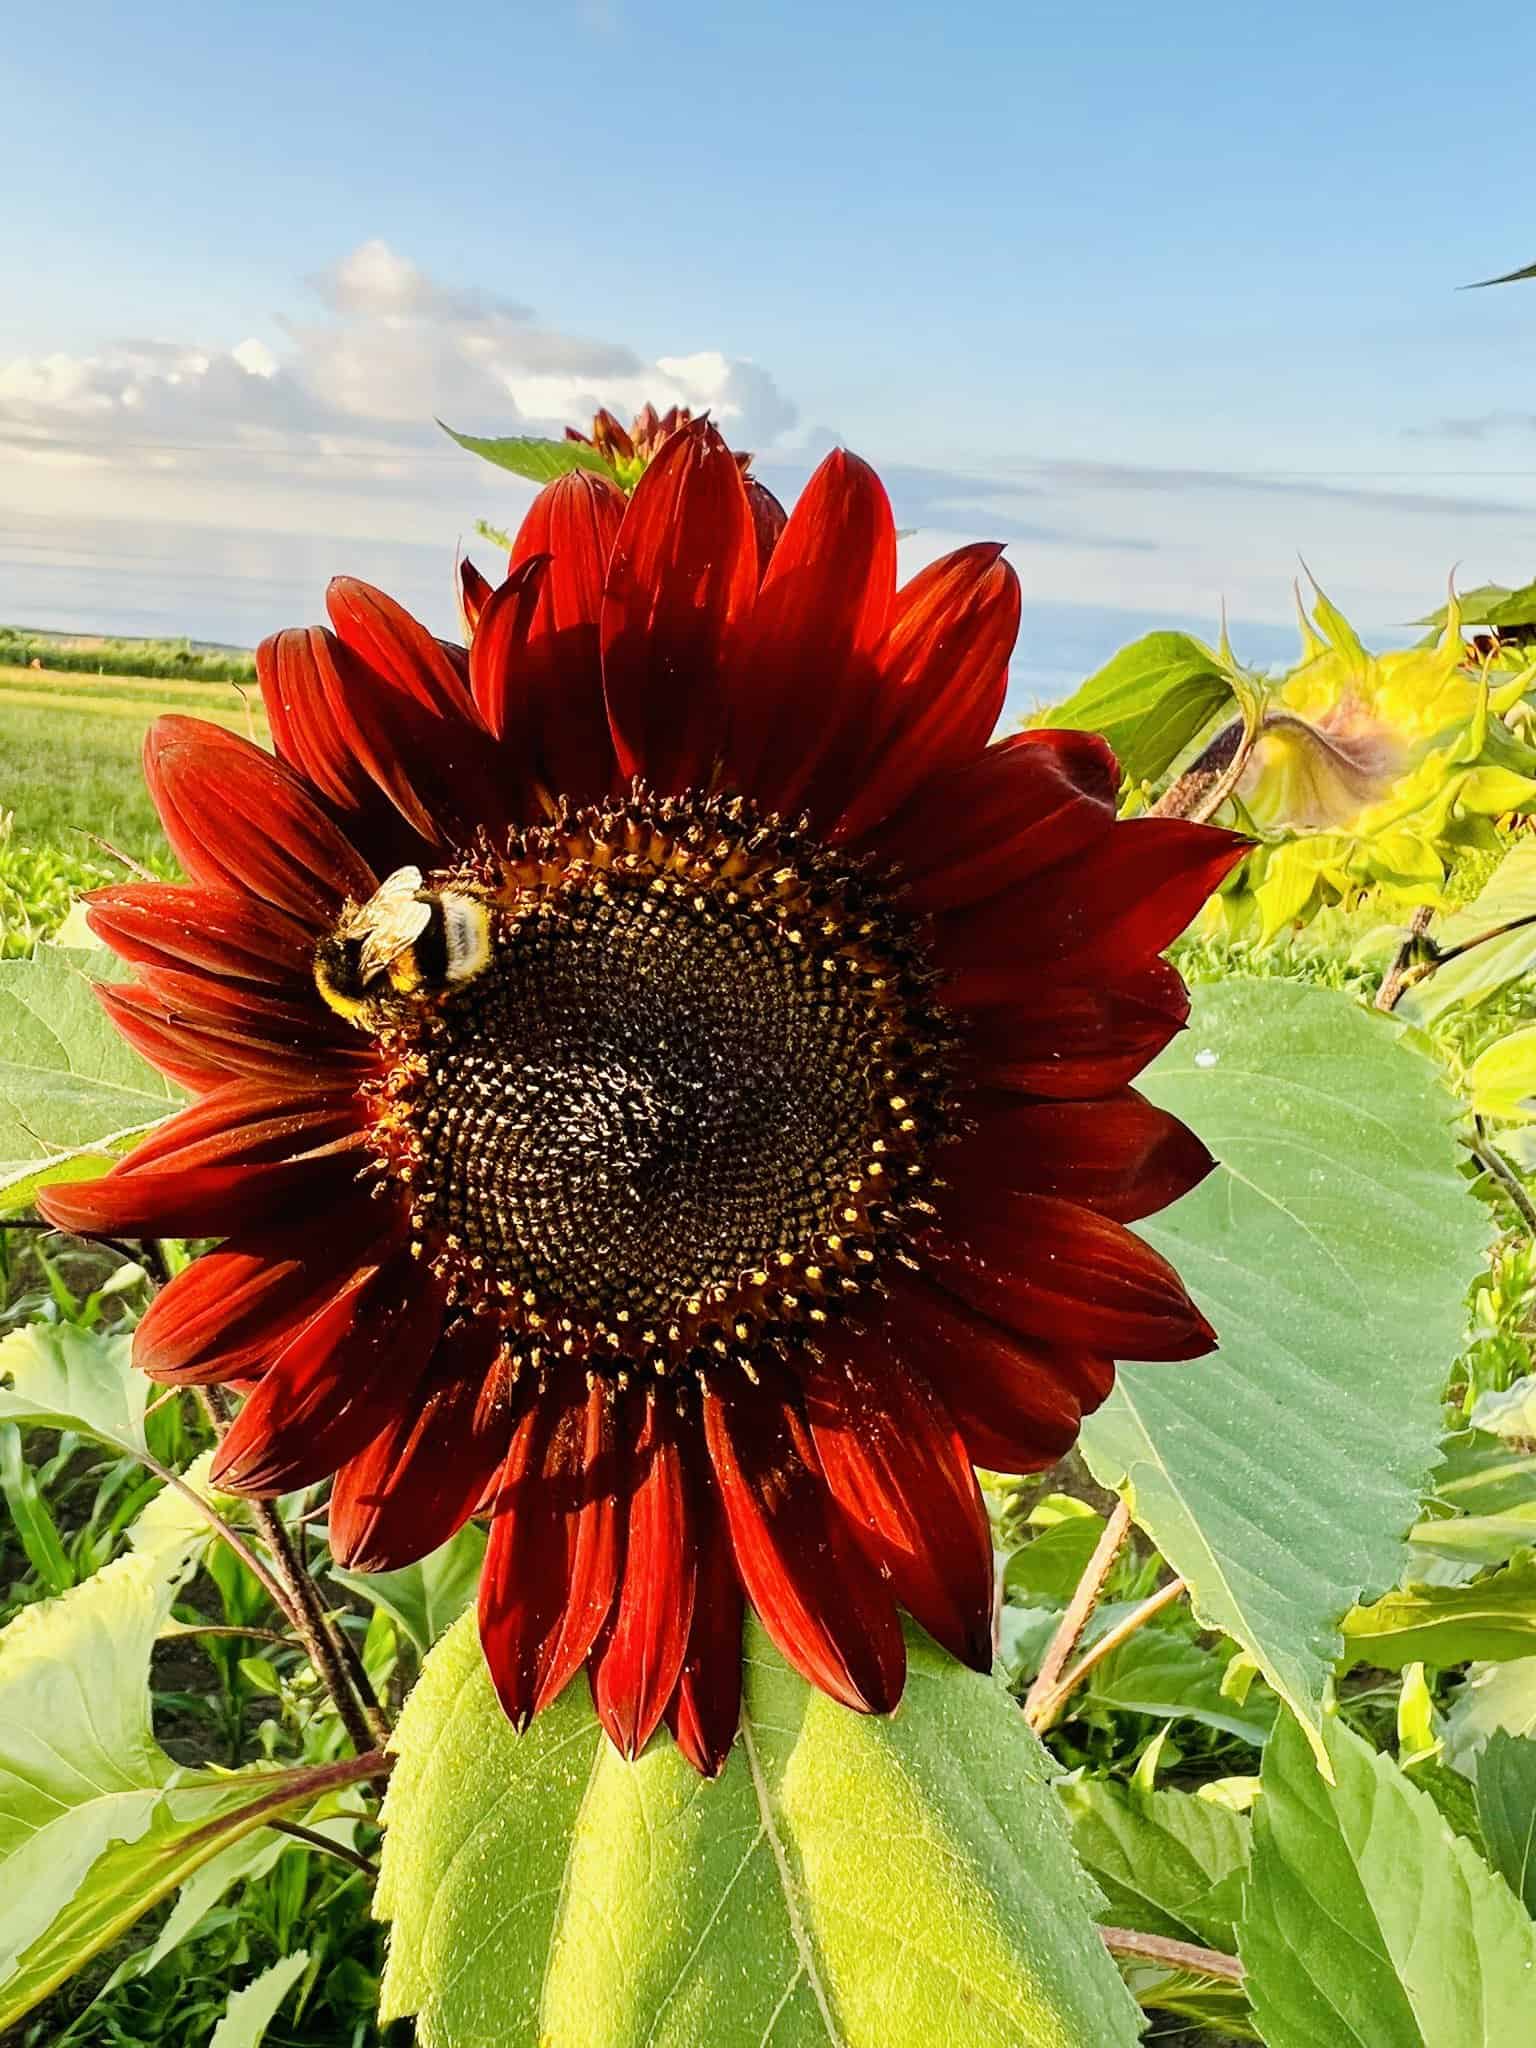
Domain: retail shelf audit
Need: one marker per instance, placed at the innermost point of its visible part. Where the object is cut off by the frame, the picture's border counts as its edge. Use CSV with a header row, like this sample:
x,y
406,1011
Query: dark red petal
x,y
235,1307
768,521
1062,1274
1073,1040
704,1711
805,674
196,1046
1000,817
1115,907
419,1479
682,575
238,819
335,1384
552,1562
898,1466
312,684
213,931
638,1660
1118,1154
397,646
944,676
539,681
179,1055
474,595
250,1154
823,1605
1016,1402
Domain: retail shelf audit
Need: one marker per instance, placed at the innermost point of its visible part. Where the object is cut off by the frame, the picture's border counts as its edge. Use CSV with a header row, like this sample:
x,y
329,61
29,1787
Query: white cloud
x,y
284,429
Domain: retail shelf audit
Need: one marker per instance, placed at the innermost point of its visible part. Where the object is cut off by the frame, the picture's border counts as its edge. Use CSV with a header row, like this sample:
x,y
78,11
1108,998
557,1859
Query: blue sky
x,y
1164,295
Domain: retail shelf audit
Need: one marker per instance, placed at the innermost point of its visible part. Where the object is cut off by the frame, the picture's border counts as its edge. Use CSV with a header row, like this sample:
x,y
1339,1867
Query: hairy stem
x,y
1070,1628
1172,1955
1205,785
1049,1710
302,1606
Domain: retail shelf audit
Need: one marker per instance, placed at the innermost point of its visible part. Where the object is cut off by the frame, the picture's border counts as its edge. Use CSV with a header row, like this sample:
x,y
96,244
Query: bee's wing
x,y
394,926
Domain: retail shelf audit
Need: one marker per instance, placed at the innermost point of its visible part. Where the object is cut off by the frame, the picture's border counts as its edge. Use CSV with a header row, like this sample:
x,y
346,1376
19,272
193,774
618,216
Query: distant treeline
x,y
79,653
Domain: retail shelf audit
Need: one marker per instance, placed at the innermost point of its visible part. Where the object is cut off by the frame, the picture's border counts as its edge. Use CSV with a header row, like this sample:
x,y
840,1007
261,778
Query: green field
x,y
71,777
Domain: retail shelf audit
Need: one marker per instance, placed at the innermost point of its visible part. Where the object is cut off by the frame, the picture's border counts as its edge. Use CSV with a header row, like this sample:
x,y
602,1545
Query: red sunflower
x,y
662,1084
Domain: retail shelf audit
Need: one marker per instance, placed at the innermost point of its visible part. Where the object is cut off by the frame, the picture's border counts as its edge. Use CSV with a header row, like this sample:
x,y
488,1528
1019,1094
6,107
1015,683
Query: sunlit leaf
x,y
1331,1249
97,1823
1149,701
1507,895
1367,1922
1506,1807
848,1880
60,1376
252,2011
541,461
73,1094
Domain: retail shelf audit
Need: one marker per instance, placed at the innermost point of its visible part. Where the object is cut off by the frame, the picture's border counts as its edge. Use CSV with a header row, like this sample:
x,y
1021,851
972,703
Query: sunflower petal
x,y
704,1711
1116,1154
824,1606
898,1466
682,575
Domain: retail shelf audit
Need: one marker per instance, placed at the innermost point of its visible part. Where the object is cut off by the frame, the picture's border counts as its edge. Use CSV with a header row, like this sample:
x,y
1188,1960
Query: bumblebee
x,y
405,942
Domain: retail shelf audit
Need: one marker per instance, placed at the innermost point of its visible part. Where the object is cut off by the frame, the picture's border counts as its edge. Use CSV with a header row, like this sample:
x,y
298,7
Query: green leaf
x,y
1149,701
1490,1697
1367,1923
1049,1565
1494,1618
1506,1807
59,1376
539,460
1478,1539
424,1598
252,2011
847,1879
1501,1082
1509,277
1161,1672
1509,893
97,1823
1169,1864
73,1094
1331,1250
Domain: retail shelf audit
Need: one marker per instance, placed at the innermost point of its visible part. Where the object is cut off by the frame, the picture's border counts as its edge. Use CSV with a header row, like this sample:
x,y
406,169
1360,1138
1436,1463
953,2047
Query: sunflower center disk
x,y
685,1107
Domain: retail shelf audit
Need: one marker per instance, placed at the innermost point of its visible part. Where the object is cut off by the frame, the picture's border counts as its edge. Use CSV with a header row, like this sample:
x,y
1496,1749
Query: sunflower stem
x,y
1397,974
1049,1711
300,1833
1070,1628
1489,1159
303,1608
1172,1955
1199,793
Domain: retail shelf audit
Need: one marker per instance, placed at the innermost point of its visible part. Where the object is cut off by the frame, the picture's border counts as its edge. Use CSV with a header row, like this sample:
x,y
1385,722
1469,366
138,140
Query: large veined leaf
x,y
58,1376
1491,1619
1367,1923
1331,1249
1167,1863
73,1094
97,1823
541,461
1506,1809
1148,701
250,2012
846,1881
